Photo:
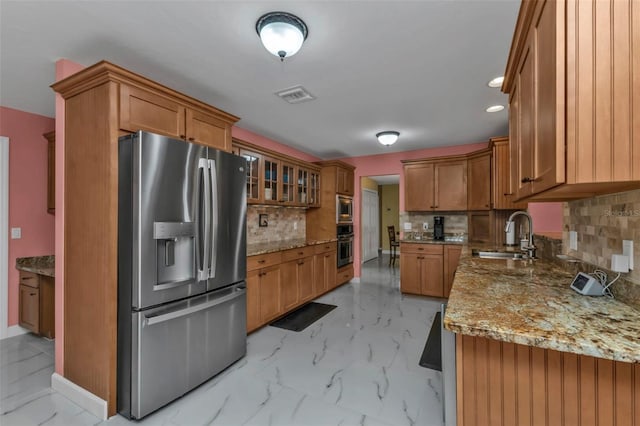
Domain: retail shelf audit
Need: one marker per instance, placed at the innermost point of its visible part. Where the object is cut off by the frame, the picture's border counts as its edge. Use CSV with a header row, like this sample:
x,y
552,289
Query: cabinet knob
x,y
526,180
301,262
507,193
261,261
192,139
183,136
32,294
420,248
300,253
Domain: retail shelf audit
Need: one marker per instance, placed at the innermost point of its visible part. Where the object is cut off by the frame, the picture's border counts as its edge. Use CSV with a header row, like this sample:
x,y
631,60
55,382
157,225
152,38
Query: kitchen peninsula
x,y
530,350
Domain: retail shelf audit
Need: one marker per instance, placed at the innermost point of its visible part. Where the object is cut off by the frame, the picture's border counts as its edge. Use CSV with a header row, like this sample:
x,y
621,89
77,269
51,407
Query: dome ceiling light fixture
x,y
495,108
281,33
388,137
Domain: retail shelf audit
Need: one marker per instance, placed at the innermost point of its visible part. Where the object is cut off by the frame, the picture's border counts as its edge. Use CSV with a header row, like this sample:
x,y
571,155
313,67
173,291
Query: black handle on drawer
x,y
261,261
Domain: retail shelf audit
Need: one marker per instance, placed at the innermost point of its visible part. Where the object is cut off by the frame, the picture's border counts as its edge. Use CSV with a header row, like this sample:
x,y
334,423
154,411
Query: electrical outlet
x,y
573,240
16,233
627,250
407,226
425,226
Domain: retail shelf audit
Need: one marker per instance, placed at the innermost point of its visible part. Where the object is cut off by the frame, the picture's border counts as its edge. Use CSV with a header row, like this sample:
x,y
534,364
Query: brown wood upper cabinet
x,y
572,78
142,109
51,171
276,179
502,192
479,183
437,185
344,181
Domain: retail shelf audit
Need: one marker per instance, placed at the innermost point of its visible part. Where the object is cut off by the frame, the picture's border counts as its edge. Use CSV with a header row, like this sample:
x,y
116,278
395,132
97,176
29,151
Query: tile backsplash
x,y
283,223
453,223
602,223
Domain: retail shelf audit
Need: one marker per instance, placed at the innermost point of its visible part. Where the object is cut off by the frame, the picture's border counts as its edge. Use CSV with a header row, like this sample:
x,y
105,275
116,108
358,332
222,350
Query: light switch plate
x,y
573,240
16,233
425,226
627,250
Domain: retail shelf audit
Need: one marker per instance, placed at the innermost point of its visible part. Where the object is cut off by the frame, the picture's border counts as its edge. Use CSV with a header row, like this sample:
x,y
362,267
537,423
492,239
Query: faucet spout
x,y
531,249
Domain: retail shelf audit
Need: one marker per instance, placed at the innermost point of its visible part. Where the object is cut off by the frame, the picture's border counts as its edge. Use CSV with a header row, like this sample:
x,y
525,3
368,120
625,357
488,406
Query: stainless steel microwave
x,y
344,209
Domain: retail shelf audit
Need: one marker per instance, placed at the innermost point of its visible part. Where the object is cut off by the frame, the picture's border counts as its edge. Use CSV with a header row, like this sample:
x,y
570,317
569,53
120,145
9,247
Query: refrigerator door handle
x,y
213,218
204,219
238,292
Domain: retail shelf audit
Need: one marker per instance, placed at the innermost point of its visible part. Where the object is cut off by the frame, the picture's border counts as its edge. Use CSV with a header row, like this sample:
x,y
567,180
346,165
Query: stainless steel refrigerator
x,y
181,268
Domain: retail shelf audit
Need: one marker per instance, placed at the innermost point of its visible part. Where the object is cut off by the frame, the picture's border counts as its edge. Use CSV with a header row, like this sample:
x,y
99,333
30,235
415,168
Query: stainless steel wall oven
x,y
345,244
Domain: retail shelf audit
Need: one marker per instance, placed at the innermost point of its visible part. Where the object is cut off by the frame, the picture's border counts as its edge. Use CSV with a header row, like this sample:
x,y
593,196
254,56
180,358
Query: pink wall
x,y
64,68
256,139
547,217
27,192
390,164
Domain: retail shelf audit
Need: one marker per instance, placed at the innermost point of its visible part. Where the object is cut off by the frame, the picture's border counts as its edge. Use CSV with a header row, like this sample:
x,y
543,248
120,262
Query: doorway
x,y
370,221
4,236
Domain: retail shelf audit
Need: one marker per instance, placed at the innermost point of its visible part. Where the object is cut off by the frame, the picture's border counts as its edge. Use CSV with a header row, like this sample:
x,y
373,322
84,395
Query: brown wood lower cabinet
x,y
36,310
428,269
500,383
279,282
325,268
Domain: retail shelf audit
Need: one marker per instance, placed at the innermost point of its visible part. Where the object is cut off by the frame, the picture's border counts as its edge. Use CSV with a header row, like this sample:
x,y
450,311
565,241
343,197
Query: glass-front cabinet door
x,y
253,175
313,196
302,187
288,183
270,180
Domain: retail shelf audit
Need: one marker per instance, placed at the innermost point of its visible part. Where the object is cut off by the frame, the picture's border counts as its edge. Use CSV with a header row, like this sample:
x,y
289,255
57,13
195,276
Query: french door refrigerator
x,y
181,268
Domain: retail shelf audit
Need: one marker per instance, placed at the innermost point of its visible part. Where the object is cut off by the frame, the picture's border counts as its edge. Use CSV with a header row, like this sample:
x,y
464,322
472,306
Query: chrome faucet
x,y
531,249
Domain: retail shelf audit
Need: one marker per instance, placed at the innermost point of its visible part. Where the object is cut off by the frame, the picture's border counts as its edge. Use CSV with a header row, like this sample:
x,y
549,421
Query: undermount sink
x,y
497,254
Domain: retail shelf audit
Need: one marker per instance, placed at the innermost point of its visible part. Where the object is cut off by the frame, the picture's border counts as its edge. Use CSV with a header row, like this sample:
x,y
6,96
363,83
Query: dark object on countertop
x,y
438,228
304,316
432,353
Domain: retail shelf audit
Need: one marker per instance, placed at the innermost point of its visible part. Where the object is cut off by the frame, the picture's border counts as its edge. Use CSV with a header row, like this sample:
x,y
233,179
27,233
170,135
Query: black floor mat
x,y
303,317
432,353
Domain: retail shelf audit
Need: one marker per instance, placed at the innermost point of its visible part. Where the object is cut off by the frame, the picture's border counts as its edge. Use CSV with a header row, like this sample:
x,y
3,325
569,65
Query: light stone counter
x,y
530,303
274,246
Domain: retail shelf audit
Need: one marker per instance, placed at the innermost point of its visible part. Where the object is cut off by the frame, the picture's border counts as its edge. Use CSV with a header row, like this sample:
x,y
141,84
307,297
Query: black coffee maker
x,y
438,228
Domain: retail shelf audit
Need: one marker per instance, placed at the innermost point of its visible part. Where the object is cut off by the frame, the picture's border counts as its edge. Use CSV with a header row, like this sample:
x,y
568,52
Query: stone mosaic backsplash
x,y
454,224
283,223
602,223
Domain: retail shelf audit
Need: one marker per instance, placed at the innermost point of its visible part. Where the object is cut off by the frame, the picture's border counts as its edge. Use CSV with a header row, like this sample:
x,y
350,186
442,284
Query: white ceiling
x,y
419,67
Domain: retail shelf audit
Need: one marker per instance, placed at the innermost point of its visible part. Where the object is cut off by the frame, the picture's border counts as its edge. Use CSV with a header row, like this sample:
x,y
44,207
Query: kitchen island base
x,y
501,383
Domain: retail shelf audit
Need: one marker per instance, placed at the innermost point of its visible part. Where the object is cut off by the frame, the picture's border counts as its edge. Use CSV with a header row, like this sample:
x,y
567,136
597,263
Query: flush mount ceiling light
x,y
388,137
281,33
496,82
495,108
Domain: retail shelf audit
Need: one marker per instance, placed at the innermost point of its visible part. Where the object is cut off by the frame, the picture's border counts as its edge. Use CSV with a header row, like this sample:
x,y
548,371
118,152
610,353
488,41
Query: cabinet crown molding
x,y
104,71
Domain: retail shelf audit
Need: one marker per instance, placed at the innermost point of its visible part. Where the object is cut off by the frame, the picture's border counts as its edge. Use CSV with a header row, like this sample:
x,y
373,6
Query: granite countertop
x,y
274,246
529,302
43,265
453,240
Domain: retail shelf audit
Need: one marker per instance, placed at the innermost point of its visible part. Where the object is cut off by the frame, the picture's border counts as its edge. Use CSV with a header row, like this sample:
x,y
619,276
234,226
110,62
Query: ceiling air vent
x,y
295,95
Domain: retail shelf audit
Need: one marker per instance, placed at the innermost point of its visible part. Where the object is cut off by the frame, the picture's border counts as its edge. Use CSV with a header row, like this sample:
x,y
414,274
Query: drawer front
x,y
325,248
297,253
421,248
29,279
263,260
344,274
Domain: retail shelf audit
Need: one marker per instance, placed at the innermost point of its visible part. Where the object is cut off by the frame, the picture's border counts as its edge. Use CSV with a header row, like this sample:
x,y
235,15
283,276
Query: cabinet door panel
x,y
269,293
418,187
331,270
451,186
207,130
29,308
432,281
479,188
451,260
289,292
305,278
142,110
525,94
253,300
410,270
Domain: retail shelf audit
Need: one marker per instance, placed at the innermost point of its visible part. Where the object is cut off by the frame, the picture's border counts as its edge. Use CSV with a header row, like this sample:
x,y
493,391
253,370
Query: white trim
x,y
85,399
14,330
4,237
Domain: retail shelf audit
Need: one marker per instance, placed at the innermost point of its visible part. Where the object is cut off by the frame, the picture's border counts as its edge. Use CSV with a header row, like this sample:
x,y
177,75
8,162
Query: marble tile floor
x,y
358,365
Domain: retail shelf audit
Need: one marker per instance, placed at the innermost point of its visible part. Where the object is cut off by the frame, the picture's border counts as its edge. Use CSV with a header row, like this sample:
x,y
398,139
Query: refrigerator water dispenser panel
x,y
175,249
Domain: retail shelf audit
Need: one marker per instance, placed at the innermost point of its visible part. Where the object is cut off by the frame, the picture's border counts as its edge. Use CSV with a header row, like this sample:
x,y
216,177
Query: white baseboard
x,y
82,397
14,330
354,280
389,252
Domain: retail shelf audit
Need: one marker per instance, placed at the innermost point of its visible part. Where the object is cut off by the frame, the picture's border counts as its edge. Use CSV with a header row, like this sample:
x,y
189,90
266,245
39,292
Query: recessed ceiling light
x,y
496,82
495,108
